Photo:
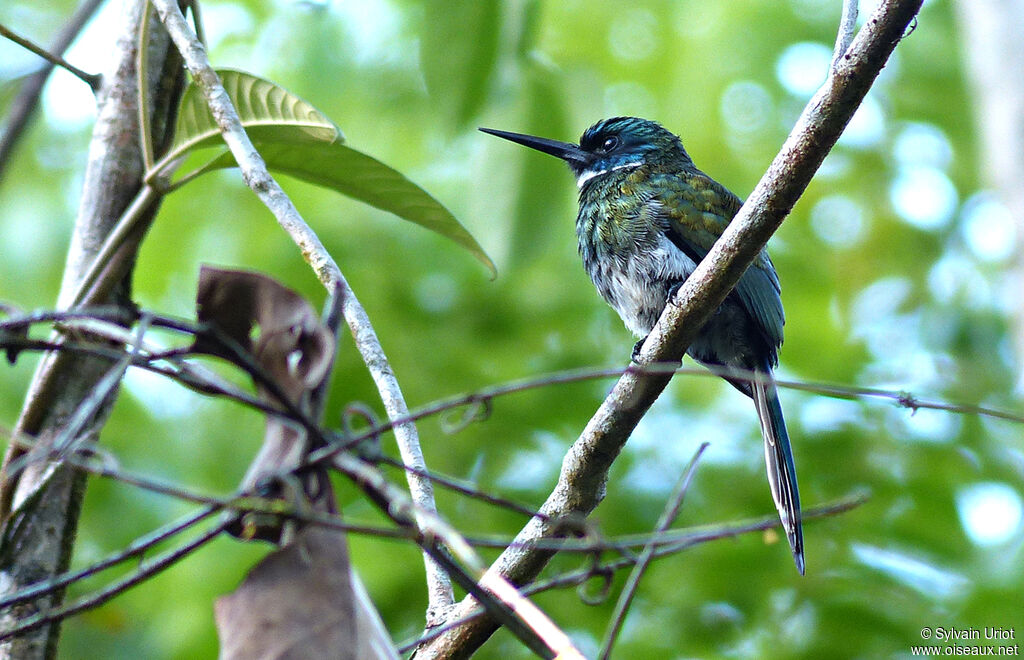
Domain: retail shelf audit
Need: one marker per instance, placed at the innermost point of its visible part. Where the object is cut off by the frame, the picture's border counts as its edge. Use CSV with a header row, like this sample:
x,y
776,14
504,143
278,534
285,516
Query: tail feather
x,y
778,457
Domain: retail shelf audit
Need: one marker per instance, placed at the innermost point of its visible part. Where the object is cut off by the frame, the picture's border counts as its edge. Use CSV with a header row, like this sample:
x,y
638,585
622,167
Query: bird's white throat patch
x,y
590,174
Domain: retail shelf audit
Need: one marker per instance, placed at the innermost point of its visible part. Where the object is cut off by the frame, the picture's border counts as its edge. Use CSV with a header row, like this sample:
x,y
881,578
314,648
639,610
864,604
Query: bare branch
x,y
668,544
90,79
453,484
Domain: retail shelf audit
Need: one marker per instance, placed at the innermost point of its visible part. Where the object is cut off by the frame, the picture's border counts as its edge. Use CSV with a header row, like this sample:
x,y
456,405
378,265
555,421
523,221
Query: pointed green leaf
x,y
268,112
295,138
356,175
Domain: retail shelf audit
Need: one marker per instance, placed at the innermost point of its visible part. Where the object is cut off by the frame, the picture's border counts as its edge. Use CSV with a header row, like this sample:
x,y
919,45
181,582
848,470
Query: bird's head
x,y
610,144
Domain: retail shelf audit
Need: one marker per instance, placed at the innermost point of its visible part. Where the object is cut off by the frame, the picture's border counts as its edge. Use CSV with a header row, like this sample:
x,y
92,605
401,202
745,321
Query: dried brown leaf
x,y
275,324
297,603
294,350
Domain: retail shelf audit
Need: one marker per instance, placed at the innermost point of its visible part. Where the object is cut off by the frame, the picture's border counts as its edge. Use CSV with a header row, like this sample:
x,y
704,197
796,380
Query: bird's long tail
x,y
778,456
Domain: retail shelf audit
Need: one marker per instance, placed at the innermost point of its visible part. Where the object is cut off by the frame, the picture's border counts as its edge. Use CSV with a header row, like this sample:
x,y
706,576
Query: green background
x,y
891,278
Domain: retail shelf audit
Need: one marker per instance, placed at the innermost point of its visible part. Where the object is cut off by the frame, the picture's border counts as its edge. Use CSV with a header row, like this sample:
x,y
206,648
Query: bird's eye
x,y
610,143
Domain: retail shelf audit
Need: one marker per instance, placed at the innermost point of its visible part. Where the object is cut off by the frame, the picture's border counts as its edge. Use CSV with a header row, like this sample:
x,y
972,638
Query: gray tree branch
x,y
581,484
44,500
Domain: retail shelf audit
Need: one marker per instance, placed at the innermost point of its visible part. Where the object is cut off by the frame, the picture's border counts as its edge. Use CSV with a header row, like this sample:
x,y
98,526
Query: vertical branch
x,y
43,501
145,135
440,595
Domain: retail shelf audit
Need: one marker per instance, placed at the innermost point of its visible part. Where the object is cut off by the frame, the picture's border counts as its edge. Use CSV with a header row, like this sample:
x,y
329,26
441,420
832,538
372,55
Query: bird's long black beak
x,y
567,151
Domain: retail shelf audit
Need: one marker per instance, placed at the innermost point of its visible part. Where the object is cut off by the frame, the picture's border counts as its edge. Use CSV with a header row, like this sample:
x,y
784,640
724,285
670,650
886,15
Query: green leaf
x,y
269,113
356,175
297,139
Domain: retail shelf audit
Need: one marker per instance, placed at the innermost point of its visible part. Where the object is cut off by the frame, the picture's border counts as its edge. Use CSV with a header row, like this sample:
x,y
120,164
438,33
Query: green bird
x,y
647,216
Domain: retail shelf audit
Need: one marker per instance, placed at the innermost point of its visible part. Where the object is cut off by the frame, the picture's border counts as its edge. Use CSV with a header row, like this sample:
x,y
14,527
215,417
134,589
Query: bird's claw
x,y
672,294
635,355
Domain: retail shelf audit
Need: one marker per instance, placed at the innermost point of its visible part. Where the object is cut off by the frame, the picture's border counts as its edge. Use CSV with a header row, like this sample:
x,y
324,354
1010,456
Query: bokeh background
x,y
896,266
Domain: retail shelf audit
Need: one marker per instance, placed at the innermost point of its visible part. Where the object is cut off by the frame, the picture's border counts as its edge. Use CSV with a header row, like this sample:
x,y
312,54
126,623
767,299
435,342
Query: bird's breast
x,y
633,272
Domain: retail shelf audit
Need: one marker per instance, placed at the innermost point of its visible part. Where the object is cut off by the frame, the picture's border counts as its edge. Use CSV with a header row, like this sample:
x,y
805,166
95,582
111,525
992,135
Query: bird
x,y
647,216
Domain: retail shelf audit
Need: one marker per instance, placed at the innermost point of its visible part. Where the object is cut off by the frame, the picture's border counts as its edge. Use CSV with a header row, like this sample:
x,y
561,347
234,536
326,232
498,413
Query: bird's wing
x,y
695,211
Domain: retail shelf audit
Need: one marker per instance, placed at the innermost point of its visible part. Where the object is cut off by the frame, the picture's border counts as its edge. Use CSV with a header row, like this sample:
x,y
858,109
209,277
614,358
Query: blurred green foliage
x,y
891,278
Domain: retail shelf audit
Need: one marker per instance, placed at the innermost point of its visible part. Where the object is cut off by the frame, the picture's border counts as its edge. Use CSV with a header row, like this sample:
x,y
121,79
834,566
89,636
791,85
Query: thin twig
x,y
24,104
197,20
94,600
134,549
90,79
97,281
675,501
331,318
89,405
188,375
675,543
453,484
901,398
112,314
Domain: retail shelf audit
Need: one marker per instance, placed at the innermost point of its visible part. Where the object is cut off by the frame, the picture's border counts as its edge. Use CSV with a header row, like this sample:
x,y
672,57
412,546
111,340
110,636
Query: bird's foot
x,y
635,355
672,294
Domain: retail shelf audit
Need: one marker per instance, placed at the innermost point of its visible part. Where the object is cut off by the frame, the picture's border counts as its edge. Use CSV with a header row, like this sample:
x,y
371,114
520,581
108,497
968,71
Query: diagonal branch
x,y
146,570
90,79
258,178
581,484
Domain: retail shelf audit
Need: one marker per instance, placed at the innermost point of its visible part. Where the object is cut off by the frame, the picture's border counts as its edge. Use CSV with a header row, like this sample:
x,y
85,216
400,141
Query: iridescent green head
x,y
610,144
